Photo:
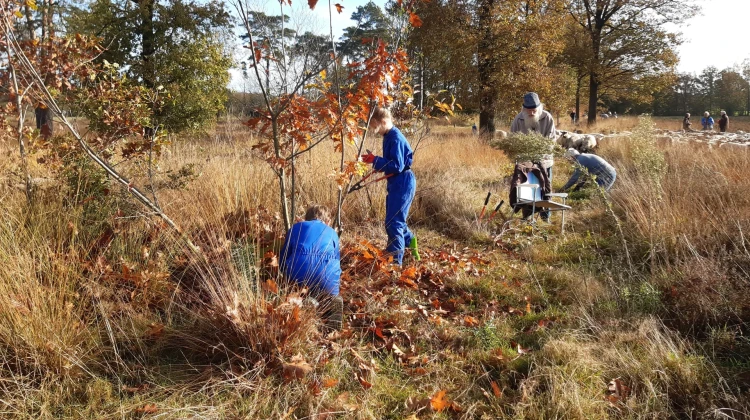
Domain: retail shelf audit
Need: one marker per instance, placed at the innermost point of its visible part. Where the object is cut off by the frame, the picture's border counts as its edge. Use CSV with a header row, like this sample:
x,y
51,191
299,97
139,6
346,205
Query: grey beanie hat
x,y
531,100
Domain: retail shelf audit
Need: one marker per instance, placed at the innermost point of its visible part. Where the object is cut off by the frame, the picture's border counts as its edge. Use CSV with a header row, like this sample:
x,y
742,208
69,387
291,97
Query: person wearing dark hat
x,y
534,119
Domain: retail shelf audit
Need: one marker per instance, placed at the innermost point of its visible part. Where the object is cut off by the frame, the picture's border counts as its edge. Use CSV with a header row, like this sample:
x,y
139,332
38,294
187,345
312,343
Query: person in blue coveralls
x,y
396,161
310,257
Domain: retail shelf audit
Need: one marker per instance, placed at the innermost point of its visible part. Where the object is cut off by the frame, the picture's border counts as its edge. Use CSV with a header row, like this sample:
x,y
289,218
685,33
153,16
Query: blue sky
x,y
303,19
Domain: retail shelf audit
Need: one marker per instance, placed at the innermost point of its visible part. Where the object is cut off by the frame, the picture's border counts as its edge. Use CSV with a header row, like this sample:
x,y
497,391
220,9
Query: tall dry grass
x,y
72,314
94,291
685,212
658,283
79,337
665,378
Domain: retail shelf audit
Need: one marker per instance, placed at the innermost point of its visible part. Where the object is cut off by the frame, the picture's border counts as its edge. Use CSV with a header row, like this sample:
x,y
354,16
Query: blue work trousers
x,y
401,189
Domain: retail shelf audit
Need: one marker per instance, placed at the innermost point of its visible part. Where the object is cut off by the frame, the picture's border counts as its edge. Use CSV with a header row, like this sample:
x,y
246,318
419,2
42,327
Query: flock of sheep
x,y
586,143
738,140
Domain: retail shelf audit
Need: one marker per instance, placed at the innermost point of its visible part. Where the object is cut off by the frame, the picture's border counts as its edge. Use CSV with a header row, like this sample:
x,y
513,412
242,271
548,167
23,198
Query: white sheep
x,y
582,142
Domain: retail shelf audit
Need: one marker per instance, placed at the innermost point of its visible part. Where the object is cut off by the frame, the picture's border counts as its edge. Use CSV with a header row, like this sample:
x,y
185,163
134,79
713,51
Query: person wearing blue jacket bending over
x,y
311,257
396,161
588,165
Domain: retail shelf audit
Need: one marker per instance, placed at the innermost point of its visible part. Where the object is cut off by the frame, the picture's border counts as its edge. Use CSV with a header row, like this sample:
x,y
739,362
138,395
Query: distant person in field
x,y
43,120
474,129
573,117
534,119
310,257
723,122
589,165
707,121
686,122
396,161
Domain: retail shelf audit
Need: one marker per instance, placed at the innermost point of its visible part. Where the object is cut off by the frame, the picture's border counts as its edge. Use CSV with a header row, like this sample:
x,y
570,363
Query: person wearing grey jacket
x,y
534,119
593,166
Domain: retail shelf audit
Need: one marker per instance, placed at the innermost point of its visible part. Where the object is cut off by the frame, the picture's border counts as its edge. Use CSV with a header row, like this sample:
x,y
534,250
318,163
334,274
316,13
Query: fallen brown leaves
x,y
296,368
371,284
134,389
330,382
148,409
617,394
496,389
437,403
470,321
370,279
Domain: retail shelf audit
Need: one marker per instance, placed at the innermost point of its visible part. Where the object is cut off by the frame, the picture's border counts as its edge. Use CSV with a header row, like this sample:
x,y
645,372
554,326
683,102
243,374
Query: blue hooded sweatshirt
x,y
311,257
397,159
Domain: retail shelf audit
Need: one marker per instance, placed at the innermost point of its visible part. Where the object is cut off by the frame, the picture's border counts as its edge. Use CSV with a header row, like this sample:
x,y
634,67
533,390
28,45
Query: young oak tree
x,y
289,122
332,106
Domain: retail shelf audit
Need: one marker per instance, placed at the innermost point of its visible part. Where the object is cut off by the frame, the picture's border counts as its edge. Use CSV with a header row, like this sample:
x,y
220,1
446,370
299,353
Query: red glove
x,y
368,158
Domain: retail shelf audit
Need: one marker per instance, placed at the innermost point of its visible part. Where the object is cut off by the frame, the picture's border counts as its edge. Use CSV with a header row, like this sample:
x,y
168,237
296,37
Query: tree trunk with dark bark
x,y
486,68
579,82
148,42
594,82
593,97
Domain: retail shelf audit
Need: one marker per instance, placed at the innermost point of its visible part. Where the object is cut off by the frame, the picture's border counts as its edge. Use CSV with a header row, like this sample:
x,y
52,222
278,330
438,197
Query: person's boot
x,y
334,314
414,248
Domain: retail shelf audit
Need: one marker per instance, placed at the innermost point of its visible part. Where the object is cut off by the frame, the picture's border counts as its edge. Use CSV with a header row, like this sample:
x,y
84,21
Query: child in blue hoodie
x,y
310,257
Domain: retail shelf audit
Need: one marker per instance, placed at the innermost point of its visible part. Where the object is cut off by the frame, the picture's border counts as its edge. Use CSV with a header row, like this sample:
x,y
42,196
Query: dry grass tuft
x,y
664,377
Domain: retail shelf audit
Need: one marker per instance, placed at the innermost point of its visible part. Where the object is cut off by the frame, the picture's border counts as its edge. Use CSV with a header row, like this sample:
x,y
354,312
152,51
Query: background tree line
x,y
584,55
712,90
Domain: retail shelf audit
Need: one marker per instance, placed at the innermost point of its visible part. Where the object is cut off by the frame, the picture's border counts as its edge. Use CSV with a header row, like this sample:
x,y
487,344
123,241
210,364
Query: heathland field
x,y
638,309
